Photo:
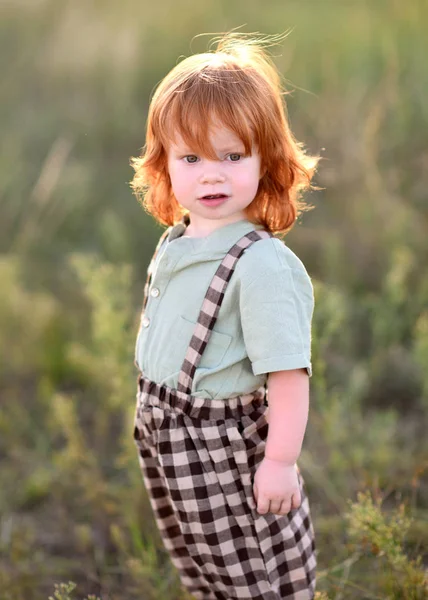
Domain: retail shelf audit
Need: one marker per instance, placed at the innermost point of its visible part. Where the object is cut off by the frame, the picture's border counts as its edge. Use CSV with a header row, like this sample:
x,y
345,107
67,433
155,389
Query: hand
x,y
276,487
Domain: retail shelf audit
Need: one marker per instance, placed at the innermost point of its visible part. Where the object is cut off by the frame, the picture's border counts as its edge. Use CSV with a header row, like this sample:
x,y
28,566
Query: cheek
x,y
179,180
247,181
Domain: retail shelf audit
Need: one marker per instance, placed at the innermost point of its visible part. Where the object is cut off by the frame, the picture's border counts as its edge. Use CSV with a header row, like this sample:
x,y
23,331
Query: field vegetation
x,y
75,521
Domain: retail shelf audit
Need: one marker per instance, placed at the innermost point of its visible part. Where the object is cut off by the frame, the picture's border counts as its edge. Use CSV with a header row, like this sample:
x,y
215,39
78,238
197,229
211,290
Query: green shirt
x,y
264,323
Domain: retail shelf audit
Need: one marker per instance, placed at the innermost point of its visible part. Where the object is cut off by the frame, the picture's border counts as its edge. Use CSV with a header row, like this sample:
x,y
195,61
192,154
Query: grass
x,y
75,246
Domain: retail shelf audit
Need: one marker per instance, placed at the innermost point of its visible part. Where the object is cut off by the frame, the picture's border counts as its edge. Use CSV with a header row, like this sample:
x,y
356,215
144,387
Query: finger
x,y
284,509
275,506
262,504
255,492
296,500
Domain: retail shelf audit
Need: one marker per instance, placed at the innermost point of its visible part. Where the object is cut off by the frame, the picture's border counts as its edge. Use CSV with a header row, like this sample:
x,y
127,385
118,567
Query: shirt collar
x,y
217,243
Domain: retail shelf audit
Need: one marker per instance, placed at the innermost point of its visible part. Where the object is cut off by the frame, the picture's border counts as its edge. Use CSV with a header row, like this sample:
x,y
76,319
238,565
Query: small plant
x,y
382,536
63,591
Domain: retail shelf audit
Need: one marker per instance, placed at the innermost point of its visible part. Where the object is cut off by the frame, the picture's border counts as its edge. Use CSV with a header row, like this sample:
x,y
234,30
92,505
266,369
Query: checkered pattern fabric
x,y
198,459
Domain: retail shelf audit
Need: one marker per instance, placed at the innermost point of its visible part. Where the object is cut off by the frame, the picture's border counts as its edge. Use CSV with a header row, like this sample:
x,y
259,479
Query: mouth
x,y
213,199
213,196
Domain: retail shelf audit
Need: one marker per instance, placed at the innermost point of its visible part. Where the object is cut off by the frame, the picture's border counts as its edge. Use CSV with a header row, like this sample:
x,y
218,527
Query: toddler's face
x,y
233,179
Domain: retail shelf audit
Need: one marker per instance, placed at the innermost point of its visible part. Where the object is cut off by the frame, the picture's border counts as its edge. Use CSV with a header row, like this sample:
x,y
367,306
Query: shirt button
x,y
145,322
154,292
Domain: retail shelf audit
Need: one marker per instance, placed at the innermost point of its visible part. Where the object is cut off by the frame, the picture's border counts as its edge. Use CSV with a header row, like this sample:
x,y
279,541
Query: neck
x,y
200,230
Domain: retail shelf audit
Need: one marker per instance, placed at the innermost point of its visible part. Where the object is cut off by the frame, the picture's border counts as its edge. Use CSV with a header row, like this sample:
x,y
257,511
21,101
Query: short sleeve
x,y
276,310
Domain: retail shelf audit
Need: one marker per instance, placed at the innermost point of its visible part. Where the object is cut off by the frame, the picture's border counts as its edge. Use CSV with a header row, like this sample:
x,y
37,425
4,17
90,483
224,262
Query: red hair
x,y
238,86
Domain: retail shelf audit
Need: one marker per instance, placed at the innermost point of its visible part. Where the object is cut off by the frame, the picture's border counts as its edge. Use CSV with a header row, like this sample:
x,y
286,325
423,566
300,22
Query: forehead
x,y
219,137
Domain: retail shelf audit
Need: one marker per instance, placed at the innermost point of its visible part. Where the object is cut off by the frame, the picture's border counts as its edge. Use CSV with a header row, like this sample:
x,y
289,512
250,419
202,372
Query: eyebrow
x,y
237,146
234,147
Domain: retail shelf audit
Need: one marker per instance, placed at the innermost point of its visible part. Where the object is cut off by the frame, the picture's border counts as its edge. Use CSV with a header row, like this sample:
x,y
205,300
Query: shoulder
x,y
163,239
268,258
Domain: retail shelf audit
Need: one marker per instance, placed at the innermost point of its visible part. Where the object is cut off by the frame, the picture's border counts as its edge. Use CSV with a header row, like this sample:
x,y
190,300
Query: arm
x,y
276,485
276,305
288,393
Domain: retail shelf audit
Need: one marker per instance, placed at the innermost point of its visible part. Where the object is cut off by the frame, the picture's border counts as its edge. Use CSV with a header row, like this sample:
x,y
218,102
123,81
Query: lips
x,y
213,200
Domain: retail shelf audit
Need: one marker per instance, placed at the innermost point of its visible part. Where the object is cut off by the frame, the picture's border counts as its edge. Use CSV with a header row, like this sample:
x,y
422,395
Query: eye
x,y
235,157
192,159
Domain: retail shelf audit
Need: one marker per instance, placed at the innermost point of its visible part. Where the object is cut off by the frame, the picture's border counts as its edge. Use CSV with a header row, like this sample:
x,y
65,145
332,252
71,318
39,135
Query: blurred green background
x,y
75,244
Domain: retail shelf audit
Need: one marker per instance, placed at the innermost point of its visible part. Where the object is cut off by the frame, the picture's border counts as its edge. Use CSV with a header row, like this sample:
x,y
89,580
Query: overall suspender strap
x,y
211,307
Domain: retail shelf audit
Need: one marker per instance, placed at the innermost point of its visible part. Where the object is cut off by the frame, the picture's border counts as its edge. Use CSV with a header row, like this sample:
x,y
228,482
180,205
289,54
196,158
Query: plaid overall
x,y
198,459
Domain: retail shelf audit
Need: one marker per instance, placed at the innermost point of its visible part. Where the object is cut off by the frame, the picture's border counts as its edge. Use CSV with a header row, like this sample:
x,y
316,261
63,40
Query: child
x,y
226,316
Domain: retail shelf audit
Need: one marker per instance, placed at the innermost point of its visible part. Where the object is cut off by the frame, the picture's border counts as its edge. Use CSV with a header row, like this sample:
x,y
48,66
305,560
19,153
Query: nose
x,y
212,172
